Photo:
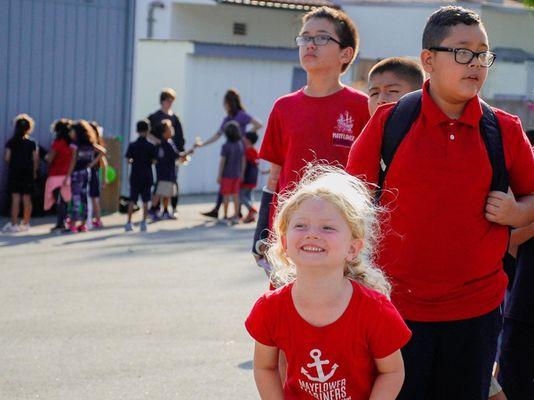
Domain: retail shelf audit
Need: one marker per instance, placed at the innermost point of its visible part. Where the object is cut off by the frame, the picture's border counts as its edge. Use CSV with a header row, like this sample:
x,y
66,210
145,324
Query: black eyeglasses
x,y
319,40
465,56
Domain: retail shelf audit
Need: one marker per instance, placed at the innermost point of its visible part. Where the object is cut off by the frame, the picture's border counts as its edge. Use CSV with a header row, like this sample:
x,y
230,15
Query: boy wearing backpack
x,y
447,228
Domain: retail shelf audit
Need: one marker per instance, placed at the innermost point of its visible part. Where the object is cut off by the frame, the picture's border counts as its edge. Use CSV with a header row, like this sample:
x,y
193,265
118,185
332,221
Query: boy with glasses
x,y
446,232
319,121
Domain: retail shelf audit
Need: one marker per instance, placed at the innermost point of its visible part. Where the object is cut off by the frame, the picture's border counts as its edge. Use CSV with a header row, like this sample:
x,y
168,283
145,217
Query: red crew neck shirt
x,y
369,328
62,159
302,128
442,255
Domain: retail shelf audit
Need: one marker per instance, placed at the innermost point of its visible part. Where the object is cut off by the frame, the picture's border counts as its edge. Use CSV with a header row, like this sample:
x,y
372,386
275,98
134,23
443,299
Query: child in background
x,y
234,112
22,157
166,170
95,186
332,318
392,78
250,178
61,159
231,168
86,145
141,155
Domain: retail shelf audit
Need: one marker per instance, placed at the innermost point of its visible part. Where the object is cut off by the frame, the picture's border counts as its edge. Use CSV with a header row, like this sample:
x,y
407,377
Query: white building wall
x,y
259,83
265,27
389,30
509,28
506,79
159,64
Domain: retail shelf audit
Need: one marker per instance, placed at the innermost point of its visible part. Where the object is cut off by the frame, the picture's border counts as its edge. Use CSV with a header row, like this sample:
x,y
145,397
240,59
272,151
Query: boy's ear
x,y
346,55
427,60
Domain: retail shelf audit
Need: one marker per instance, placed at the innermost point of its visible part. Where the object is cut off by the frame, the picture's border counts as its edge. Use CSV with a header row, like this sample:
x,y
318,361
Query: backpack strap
x,y
397,126
491,134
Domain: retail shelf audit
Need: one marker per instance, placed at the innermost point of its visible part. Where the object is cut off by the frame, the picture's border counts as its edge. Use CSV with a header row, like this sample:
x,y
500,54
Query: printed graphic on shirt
x,y
318,382
342,134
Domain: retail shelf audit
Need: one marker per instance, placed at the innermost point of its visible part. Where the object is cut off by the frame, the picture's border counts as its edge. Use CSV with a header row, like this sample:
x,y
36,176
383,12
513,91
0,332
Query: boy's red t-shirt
x,y
251,156
61,162
442,255
303,128
335,361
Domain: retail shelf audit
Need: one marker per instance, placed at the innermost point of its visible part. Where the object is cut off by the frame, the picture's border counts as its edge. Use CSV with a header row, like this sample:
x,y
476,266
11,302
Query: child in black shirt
x,y
141,155
22,156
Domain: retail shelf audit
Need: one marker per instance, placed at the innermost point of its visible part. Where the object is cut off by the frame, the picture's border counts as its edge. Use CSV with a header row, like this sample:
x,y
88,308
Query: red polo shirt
x,y
442,255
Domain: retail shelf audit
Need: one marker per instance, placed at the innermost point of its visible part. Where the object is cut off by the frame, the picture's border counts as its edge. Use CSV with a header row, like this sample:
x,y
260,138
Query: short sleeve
x,y
272,147
245,118
521,155
387,331
256,322
364,156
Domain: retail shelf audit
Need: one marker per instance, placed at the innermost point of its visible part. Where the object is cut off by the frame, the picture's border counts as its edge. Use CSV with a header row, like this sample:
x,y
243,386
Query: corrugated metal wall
x,y
65,58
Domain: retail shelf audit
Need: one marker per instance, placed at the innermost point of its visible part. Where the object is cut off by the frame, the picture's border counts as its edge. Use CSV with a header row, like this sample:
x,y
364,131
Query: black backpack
x,y
401,120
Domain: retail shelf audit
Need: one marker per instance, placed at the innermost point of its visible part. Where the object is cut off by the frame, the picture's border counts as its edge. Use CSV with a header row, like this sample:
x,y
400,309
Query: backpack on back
x,y
404,114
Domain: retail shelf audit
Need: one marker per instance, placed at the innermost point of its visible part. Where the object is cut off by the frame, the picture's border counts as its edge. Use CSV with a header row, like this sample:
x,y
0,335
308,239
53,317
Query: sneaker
x,y
10,228
212,214
57,229
167,215
235,220
128,227
97,224
153,215
251,217
24,227
82,228
73,229
142,226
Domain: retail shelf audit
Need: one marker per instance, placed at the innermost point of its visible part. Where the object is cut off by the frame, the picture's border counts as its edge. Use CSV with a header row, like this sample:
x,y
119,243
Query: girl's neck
x,y
167,111
319,288
321,86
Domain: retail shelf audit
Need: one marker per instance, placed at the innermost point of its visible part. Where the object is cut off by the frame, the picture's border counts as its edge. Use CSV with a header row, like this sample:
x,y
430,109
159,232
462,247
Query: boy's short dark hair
x,y
404,68
142,126
166,94
232,131
252,137
439,23
345,28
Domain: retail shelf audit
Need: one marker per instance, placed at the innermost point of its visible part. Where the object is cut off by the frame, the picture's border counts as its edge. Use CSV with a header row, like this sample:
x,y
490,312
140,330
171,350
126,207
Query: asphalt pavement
x,y
109,314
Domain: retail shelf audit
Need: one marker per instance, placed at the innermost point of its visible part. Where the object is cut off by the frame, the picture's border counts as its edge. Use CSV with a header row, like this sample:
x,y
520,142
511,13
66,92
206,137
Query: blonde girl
x,y
331,317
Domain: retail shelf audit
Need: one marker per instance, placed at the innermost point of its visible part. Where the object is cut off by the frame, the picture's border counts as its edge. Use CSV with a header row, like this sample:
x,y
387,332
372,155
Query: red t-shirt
x,y
442,255
61,162
251,170
369,328
303,128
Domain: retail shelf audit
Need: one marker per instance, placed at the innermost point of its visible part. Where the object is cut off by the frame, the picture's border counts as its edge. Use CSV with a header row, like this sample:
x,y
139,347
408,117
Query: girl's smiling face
x,y
319,236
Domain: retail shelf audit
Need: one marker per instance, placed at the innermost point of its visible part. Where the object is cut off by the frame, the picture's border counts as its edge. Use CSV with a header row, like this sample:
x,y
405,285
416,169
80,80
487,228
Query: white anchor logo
x,y
318,364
